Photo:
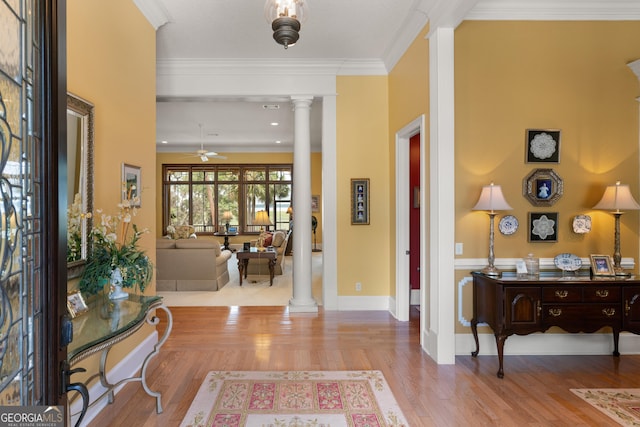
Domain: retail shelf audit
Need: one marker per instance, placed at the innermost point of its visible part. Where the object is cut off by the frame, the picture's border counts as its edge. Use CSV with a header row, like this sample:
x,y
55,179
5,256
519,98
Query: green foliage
x,y
112,247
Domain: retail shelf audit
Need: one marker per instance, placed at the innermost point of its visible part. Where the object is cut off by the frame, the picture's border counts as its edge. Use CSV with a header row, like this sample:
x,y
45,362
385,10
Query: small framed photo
x,y
543,226
131,184
315,203
76,304
601,265
543,146
360,201
542,187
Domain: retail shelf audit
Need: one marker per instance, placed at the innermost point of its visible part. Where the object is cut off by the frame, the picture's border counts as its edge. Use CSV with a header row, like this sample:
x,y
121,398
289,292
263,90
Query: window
x,y
209,196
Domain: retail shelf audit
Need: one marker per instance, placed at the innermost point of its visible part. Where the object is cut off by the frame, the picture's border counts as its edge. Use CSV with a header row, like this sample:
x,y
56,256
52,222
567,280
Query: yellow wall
x,y
408,99
572,76
238,158
111,63
362,152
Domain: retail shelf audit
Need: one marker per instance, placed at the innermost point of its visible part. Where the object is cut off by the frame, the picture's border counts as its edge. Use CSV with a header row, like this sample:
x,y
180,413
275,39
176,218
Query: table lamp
x,y
491,200
290,212
615,198
262,219
227,216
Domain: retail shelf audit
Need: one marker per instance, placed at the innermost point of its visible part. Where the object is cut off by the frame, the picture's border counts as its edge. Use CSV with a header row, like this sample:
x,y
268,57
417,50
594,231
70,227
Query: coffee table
x,y
254,253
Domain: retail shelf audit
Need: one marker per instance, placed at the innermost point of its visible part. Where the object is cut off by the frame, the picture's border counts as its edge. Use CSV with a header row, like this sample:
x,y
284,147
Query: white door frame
x,y
403,292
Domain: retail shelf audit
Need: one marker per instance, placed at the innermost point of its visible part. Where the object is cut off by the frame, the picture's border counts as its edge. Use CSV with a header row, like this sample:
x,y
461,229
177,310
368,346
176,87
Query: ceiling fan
x,y
204,154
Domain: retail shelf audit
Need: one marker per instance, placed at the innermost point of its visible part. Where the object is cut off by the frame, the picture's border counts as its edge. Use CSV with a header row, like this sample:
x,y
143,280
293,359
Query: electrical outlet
x,y
358,286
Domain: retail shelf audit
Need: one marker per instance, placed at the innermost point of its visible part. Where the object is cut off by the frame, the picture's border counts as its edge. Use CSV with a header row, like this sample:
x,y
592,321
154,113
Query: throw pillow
x,y
278,239
268,237
184,231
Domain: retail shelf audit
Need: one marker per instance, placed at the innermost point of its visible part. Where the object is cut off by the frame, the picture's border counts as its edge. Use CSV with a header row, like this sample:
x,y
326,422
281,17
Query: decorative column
x,y
302,299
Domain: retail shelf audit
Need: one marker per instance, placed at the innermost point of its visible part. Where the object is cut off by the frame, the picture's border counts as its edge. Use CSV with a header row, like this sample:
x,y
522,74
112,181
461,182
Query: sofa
x,y
278,239
191,265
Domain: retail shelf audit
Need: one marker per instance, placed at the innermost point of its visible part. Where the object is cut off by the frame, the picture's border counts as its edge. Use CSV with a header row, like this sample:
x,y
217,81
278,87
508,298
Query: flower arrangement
x,y
115,245
74,229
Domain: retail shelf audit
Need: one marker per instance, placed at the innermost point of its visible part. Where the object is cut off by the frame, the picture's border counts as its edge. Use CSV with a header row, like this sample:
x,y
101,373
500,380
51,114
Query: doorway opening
x,y
406,198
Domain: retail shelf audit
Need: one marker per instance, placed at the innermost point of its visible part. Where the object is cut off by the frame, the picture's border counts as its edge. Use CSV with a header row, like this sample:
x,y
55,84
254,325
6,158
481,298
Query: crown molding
x,y
410,29
550,10
635,67
153,11
212,66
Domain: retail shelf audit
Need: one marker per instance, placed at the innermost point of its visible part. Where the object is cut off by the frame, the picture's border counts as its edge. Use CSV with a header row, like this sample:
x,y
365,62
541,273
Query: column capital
x,y
302,101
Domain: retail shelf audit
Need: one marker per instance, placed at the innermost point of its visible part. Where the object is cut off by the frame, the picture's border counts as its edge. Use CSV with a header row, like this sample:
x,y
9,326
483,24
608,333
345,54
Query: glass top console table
x,y
107,323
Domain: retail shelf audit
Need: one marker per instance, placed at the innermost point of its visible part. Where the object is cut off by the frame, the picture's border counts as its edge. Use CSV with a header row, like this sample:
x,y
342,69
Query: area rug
x,y
294,398
620,404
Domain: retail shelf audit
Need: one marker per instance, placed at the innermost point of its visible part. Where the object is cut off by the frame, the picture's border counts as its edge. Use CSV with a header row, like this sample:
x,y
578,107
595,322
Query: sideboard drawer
x,y
602,294
562,294
581,317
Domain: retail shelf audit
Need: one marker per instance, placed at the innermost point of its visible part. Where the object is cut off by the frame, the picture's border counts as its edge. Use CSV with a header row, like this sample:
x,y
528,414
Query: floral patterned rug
x,y
294,398
620,404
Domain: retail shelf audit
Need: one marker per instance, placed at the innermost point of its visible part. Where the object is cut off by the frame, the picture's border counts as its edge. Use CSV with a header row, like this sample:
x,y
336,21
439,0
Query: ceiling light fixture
x,y
285,17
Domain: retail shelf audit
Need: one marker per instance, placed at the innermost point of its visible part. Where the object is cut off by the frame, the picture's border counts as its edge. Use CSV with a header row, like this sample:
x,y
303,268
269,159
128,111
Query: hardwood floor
x,y
534,392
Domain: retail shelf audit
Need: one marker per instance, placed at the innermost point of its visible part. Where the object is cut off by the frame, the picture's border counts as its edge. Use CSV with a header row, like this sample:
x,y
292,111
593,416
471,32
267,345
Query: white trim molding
x,y
553,10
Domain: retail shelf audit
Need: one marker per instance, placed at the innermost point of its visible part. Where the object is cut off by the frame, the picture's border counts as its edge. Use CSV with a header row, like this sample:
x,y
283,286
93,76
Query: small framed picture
x,y
601,265
131,184
542,146
315,203
76,304
360,201
543,226
542,187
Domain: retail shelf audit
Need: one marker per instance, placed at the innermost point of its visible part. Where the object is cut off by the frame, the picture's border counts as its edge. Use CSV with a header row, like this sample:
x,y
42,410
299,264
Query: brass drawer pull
x,y
609,312
562,294
602,293
555,312
627,309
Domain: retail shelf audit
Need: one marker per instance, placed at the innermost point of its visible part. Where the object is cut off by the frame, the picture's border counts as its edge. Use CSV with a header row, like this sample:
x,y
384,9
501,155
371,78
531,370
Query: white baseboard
x,y
414,298
539,344
364,303
126,368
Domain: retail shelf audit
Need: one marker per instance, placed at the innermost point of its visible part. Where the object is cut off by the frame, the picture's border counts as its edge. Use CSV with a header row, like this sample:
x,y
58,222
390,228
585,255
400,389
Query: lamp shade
x,y
290,210
491,199
616,198
227,215
262,218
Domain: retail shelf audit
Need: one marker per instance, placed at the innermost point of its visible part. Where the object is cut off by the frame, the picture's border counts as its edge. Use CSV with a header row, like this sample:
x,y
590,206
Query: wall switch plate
x,y
458,248
358,286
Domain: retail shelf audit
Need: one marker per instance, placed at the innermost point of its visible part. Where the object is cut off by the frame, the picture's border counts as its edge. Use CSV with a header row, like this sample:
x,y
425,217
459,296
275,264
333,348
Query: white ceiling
x,y
369,31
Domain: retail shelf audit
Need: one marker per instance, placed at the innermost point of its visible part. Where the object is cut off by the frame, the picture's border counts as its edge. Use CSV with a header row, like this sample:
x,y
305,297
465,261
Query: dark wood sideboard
x,y
512,305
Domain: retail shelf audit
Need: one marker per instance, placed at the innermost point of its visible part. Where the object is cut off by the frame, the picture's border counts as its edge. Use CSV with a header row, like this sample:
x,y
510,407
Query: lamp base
x,y
491,271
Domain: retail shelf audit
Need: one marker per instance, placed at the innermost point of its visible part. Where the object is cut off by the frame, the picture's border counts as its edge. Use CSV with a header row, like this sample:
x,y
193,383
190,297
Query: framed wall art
x,y
542,146
601,265
360,201
542,187
315,203
131,184
543,226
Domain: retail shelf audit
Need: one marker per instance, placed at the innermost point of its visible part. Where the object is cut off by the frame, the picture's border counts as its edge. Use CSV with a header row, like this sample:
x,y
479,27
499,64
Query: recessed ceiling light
x,y
164,142
278,142
274,123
